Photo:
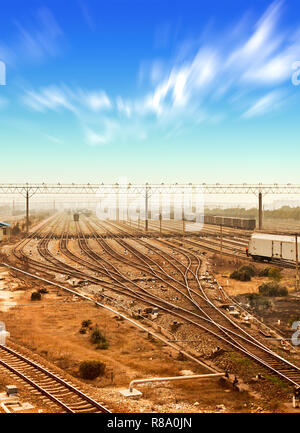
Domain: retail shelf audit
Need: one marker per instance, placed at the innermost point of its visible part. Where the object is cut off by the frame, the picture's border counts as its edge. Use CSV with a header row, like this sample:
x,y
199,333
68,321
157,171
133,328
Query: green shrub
x,y
257,301
275,274
98,338
249,269
43,290
272,273
91,369
264,272
235,275
272,289
86,323
241,275
82,331
36,296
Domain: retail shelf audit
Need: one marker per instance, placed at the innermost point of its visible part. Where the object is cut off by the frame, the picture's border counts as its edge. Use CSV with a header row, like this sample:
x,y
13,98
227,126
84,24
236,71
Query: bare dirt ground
x,y
50,329
234,287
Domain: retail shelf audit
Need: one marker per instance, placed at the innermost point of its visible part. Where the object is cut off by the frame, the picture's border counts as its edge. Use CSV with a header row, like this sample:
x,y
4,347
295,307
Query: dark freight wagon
x,y
76,216
237,223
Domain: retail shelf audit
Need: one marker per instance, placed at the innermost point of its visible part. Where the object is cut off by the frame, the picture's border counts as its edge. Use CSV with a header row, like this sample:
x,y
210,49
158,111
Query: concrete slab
x,y
11,390
22,406
186,372
134,394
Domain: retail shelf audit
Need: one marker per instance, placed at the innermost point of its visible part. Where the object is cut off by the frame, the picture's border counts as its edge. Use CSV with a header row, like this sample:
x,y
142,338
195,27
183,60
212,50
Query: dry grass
x,y
51,329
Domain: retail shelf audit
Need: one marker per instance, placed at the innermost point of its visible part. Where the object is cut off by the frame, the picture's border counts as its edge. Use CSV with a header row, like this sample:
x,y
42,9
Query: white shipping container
x,y
282,247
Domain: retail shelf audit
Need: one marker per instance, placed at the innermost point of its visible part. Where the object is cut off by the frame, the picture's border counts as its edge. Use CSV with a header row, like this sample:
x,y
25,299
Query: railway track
x,y
152,257
234,242
64,395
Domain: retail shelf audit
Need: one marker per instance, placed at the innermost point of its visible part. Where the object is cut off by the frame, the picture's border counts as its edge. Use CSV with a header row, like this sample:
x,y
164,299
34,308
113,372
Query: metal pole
x,y
160,213
297,264
182,212
167,379
27,211
146,209
221,244
117,205
260,211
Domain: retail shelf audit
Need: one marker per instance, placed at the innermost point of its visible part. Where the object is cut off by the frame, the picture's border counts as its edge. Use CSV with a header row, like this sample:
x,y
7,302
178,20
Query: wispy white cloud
x,y
55,140
229,72
257,59
86,14
41,38
36,40
97,100
57,97
49,98
95,139
270,102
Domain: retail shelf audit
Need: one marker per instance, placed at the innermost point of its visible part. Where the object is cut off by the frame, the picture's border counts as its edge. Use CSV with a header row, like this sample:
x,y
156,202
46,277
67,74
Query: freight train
x,y
236,223
268,247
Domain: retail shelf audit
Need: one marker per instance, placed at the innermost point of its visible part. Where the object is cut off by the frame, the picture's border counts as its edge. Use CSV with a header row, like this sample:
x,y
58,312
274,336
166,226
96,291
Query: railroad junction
x,y
159,289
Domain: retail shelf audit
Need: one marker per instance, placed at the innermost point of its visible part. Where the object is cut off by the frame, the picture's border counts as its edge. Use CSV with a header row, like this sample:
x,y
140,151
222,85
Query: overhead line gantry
x,y
260,190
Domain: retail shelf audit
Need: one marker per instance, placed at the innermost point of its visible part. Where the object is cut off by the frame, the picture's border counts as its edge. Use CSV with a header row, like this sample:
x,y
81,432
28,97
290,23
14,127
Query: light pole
x,y
221,243
297,264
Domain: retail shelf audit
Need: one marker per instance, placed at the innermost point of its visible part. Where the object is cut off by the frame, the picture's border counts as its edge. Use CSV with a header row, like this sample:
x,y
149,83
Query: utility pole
x,y
117,205
297,264
27,211
221,243
260,211
146,208
160,213
182,212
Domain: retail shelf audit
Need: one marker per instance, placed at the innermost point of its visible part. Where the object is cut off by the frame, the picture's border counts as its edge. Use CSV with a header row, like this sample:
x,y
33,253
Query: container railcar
x,y
267,247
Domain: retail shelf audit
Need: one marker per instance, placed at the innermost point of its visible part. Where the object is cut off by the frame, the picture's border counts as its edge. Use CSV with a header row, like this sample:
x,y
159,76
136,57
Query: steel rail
x,y
48,373
264,363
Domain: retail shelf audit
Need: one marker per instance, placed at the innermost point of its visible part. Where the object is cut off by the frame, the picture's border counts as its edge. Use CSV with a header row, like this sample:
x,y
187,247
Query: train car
x,y
252,224
267,247
76,217
227,221
237,223
249,224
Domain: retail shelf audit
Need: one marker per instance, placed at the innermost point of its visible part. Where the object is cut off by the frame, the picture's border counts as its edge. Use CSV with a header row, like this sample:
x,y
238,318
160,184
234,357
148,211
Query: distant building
x,y
4,231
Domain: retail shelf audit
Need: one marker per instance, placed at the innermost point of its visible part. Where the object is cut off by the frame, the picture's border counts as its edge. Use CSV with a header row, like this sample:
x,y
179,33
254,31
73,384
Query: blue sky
x,y
157,91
